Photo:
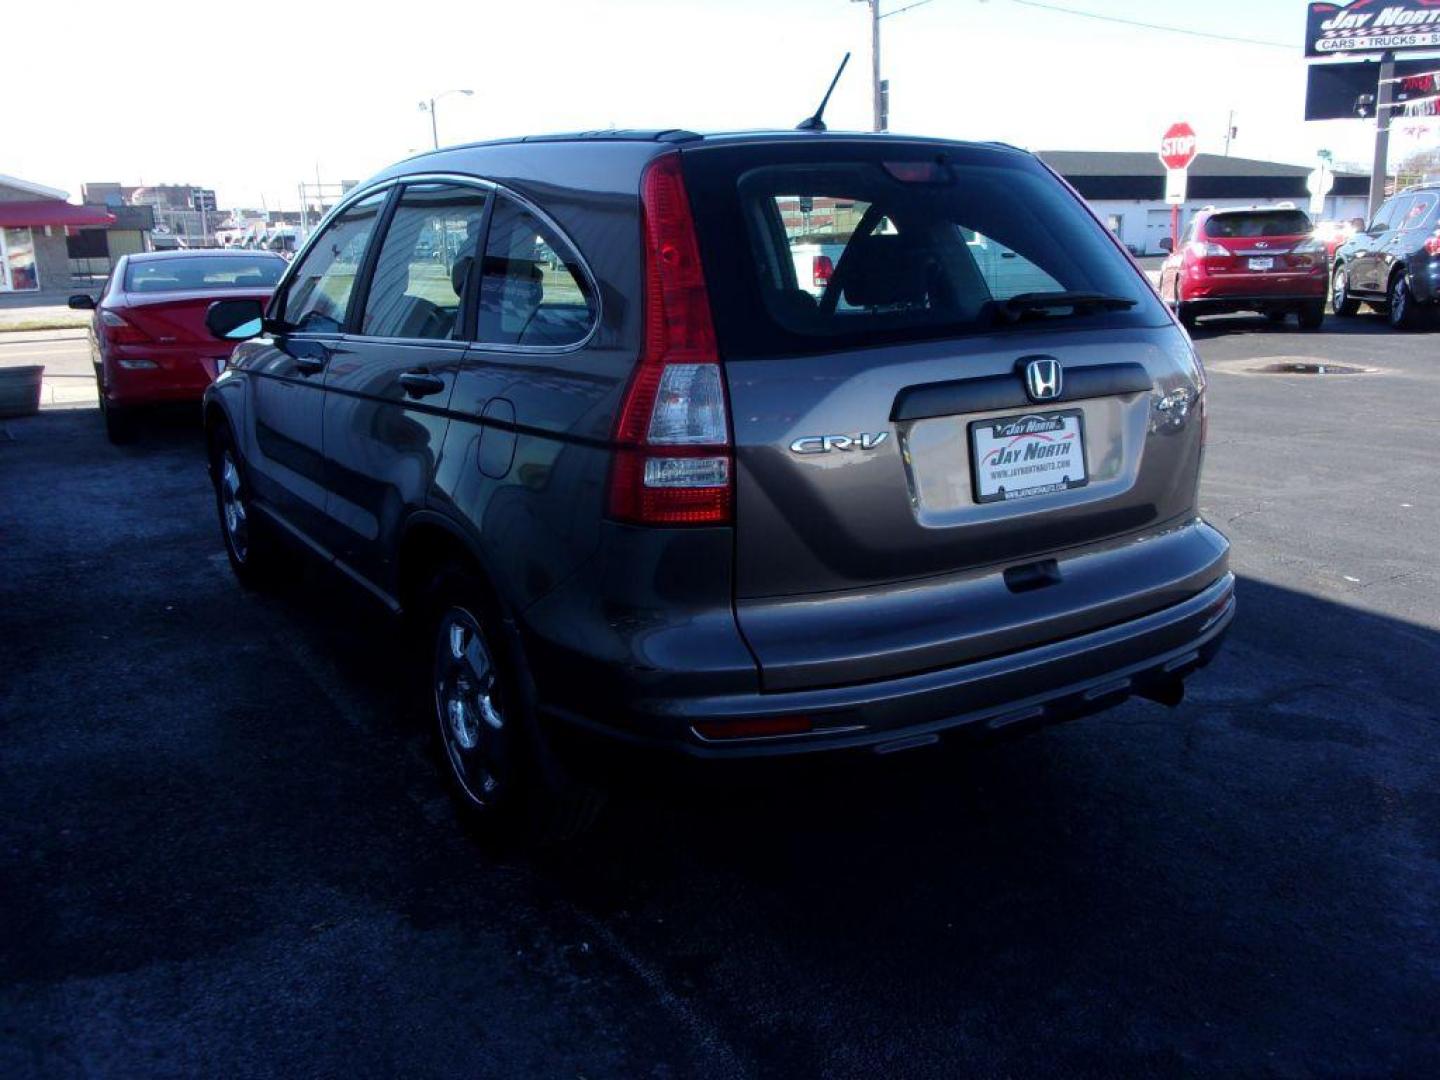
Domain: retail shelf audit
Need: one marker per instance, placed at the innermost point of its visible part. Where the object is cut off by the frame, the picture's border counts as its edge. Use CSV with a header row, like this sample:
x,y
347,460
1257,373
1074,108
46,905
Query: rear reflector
x,y
756,728
673,464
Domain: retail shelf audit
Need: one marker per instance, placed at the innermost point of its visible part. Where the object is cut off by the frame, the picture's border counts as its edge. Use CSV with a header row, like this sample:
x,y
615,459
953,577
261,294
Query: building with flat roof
x,y
35,221
1127,190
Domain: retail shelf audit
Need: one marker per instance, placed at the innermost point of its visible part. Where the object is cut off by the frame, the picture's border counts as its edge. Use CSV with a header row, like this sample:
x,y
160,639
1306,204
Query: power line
x,y
907,7
1155,26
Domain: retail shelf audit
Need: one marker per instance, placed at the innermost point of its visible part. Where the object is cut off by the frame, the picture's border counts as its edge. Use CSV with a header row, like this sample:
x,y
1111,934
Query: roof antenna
x,y
817,122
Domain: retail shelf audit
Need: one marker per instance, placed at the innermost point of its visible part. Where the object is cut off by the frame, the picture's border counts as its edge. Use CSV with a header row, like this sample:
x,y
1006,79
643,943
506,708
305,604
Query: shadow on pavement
x,y
223,840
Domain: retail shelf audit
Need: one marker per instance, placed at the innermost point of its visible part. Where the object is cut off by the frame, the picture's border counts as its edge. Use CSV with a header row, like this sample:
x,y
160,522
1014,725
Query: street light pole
x,y
434,127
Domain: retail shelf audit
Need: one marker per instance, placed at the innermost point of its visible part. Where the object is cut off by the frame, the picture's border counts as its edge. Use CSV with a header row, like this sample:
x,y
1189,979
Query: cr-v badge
x,y
823,444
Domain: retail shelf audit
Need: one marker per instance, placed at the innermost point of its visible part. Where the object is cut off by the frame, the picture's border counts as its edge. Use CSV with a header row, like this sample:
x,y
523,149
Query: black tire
x,y
1403,312
1186,314
120,426
503,774
1312,316
1341,302
1276,316
249,543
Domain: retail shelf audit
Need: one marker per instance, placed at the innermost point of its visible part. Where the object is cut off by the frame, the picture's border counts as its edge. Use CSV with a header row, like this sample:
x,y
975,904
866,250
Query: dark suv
x,y
1394,265
566,402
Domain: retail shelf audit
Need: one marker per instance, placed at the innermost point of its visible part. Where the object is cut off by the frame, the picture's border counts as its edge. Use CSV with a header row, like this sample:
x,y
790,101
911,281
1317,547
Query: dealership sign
x,y
1372,26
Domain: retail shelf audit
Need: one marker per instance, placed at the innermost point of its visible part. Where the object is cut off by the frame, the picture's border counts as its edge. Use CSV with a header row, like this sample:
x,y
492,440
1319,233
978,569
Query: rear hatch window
x,y
1254,224
832,245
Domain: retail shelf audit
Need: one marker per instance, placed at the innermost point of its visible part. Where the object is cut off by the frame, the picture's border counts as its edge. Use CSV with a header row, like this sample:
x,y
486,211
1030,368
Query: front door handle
x,y
420,383
310,365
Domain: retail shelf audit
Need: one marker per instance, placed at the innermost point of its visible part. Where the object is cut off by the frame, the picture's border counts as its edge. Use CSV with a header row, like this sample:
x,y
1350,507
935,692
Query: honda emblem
x,y
1042,378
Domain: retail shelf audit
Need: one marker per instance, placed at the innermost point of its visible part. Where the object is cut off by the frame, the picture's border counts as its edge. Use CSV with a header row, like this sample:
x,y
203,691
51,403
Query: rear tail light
x,y
820,270
1202,249
673,463
119,332
1432,244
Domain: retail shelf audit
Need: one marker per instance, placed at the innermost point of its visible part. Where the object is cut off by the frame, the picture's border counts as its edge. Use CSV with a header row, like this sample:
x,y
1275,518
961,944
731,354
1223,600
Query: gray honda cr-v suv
x,y
742,445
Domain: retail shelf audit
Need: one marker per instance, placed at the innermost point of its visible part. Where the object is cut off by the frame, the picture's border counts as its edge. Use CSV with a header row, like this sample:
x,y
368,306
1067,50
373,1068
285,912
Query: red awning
x,y
31,212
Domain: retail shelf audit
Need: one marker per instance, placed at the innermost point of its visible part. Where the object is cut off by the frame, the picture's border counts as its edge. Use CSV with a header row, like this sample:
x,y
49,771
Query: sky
x,y
251,98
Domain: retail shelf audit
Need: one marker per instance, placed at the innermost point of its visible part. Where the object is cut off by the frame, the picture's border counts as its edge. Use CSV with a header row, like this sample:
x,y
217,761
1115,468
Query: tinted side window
x,y
1420,208
319,292
1386,215
425,260
533,291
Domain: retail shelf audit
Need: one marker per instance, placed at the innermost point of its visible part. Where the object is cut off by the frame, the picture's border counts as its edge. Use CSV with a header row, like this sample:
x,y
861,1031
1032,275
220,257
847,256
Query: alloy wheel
x,y
469,707
1399,303
233,511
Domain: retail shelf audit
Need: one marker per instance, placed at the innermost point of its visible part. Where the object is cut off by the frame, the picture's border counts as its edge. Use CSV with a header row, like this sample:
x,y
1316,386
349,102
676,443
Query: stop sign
x,y
1177,148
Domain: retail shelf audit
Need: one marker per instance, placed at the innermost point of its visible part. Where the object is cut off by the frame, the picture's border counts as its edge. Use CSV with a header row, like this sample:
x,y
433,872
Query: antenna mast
x,y
817,122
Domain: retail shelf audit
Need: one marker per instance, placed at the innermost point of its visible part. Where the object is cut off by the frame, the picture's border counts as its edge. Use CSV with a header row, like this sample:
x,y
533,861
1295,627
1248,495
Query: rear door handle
x,y
420,383
310,365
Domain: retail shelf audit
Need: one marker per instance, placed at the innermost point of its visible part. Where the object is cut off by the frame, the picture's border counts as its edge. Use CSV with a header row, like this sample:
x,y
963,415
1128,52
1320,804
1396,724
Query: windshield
x,y
872,244
1255,223
187,273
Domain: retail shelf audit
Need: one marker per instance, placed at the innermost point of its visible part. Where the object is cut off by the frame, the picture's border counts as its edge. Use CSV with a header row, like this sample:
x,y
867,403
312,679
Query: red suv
x,y
1253,259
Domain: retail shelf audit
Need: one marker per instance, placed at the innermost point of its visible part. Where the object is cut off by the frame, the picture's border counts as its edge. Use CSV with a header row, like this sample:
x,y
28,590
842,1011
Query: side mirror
x,y
1167,245
235,320
82,302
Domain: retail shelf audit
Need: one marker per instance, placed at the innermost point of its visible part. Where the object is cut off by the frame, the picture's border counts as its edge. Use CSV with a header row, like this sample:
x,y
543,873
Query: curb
x,y
12,337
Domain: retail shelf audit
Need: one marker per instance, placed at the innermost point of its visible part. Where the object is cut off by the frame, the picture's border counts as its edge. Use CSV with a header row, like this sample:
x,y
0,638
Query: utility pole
x,y
1229,131
879,88
878,124
1383,102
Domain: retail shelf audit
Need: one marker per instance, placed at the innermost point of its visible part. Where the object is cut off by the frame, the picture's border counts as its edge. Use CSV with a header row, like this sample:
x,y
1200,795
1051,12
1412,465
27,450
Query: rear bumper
x,y
1425,280
180,372
1248,291
1027,688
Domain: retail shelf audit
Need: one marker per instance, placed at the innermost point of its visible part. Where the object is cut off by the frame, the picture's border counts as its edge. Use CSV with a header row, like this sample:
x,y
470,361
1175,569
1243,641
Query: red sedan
x,y
1248,259
148,339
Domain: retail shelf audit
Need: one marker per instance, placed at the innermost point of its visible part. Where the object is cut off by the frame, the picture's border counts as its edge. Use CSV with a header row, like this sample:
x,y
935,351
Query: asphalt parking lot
x,y
224,848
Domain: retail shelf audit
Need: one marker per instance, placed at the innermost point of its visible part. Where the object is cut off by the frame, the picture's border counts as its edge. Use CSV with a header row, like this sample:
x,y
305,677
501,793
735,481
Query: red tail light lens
x,y
119,332
820,270
1432,244
673,463
1204,250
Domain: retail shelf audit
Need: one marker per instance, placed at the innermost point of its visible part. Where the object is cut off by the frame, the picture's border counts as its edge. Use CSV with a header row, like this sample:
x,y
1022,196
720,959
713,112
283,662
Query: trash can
x,y
20,390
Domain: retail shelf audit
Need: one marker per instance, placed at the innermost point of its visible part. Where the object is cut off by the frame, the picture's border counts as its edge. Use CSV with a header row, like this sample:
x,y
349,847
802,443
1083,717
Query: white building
x,y
1127,190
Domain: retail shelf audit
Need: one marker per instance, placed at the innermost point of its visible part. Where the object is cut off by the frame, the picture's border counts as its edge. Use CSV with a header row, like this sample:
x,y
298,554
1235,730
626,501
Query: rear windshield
x,y
833,245
1249,223
204,272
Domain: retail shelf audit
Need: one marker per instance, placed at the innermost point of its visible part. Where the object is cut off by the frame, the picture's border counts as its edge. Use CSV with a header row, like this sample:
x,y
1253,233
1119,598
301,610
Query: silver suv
x,y
576,407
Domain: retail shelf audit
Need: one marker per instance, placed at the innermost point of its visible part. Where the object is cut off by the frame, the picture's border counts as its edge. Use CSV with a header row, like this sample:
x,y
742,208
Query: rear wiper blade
x,y
1080,301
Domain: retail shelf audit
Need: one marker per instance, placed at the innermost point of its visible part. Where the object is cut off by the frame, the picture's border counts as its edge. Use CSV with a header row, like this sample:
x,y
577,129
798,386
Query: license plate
x,y
1018,457
1262,264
